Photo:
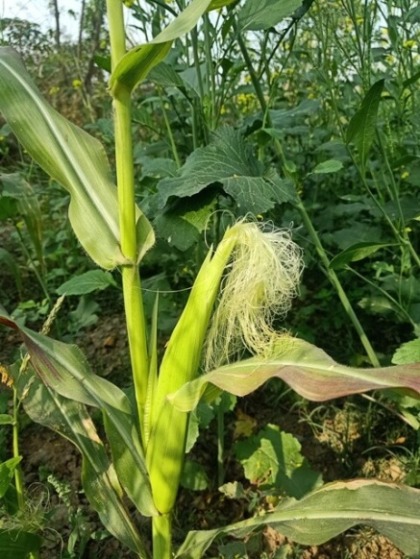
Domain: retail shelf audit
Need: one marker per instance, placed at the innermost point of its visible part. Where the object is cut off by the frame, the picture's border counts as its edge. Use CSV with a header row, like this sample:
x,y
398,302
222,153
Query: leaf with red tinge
x,y
304,367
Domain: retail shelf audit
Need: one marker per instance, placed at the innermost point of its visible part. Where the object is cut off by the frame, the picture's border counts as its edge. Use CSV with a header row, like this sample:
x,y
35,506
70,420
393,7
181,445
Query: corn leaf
x,y
99,479
137,63
64,370
304,367
73,158
392,510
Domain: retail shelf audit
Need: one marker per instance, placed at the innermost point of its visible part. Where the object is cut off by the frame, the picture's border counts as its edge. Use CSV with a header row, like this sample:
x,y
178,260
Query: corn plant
x,y
243,283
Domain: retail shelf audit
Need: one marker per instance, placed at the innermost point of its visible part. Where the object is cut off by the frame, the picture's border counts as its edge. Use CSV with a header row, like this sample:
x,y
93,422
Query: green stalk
x,y
162,536
133,301
332,276
15,444
169,131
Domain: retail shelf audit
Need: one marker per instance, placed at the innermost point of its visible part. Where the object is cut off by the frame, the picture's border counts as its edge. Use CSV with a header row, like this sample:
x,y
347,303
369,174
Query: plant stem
x,y
133,301
304,214
162,536
18,471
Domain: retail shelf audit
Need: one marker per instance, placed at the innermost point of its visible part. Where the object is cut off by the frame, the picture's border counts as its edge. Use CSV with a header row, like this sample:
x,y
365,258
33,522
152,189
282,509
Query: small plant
x,y
243,282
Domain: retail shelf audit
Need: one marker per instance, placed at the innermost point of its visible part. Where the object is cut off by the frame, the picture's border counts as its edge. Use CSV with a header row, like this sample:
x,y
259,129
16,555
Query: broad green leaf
x,y
407,353
99,479
182,224
18,544
261,14
226,160
362,126
64,369
7,470
73,158
391,509
330,166
137,63
94,280
304,367
356,252
272,460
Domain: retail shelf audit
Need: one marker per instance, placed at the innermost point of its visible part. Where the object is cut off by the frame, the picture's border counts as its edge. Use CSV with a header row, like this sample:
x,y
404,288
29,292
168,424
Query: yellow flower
x,y
405,175
410,43
76,83
54,90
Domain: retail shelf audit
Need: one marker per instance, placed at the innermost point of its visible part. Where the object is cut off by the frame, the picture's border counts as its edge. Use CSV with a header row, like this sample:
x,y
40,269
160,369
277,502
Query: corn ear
x,y
166,448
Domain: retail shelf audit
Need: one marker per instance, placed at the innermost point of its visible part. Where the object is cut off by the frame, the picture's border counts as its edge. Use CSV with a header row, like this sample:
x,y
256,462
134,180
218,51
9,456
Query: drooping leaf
x,y
99,479
63,369
391,509
94,280
137,63
272,459
257,15
362,126
304,367
356,252
226,160
73,158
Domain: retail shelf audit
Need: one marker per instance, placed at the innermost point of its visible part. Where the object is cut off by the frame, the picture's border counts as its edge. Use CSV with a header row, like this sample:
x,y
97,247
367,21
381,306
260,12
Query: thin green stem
x,y
169,131
337,285
162,536
305,216
15,444
133,301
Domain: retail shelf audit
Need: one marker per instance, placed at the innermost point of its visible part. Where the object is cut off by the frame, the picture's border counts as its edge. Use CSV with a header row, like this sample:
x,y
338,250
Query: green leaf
x,y
99,479
305,368
17,544
262,14
356,252
74,159
94,280
139,61
407,353
391,509
64,369
226,160
362,126
7,471
272,459
330,166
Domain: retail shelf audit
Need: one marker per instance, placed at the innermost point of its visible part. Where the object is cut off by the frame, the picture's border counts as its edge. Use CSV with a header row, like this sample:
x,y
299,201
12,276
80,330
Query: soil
x,y
52,468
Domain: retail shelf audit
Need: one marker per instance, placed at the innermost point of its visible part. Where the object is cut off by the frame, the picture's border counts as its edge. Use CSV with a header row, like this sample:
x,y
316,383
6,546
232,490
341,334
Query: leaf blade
x,y
391,509
73,158
305,368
